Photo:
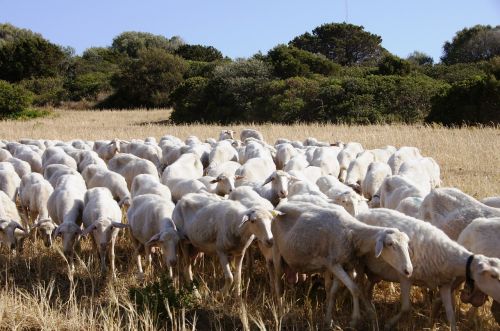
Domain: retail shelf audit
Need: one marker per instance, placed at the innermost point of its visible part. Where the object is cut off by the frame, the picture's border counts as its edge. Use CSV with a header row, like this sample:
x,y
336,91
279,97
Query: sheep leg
x,y
112,257
405,303
224,261
331,287
343,277
278,272
237,280
447,298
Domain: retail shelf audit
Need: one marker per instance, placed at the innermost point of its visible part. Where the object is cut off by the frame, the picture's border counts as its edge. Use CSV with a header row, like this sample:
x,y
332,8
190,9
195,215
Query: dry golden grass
x,y
36,293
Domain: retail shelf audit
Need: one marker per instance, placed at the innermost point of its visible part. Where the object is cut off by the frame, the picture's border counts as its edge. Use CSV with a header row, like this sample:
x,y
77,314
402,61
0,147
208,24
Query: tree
x,y
148,80
29,57
131,42
199,53
393,65
14,99
289,61
420,58
481,42
342,43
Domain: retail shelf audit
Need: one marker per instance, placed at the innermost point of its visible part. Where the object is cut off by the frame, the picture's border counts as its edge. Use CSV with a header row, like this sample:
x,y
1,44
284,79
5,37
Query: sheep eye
x,y
389,244
252,221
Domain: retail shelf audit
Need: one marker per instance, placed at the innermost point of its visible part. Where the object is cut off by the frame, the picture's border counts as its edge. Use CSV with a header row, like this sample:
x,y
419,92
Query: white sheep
x,y
182,186
437,261
86,158
9,181
96,176
12,234
144,151
254,172
346,155
492,201
65,207
33,158
422,172
129,166
311,239
149,184
106,149
357,170
375,175
251,133
187,166
226,134
20,167
227,228
4,155
223,152
451,210
54,171
56,155
284,153
151,224
326,159
410,206
102,217
403,154
396,188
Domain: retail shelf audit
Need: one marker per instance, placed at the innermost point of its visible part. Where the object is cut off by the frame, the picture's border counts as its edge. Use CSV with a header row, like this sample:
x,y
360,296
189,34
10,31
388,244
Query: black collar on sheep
x,y
469,282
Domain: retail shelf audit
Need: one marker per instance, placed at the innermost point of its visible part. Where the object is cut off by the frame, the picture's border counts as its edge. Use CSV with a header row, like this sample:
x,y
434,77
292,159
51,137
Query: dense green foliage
x,y
481,42
14,99
337,73
345,44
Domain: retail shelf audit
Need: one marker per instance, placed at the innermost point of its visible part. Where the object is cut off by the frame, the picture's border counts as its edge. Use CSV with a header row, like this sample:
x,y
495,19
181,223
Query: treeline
x,y
336,73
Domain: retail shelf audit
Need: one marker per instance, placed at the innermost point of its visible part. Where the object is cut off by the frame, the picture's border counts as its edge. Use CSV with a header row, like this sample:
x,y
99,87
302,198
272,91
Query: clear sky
x,y
242,28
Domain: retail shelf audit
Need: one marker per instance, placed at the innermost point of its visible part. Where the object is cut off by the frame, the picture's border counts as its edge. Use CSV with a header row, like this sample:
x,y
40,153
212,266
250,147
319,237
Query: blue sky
x,y
242,28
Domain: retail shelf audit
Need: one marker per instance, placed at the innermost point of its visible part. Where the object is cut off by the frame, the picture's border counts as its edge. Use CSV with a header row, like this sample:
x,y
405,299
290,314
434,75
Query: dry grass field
x,y
36,294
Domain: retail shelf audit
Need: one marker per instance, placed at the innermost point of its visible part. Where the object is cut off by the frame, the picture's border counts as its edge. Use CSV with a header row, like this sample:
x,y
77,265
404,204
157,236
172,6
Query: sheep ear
x,y
120,225
216,180
379,246
88,229
245,219
55,232
277,213
238,177
154,240
18,226
268,180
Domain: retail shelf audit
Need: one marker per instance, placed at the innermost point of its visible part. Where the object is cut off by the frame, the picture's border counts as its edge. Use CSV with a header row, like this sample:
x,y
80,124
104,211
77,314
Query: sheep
x,y
102,217
9,181
54,171
403,154
352,202
346,155
34,192
331,186
227,228
12,234
56,155
170,151
382,154
298,162
492,201
227,168
254,171
148,184
396,188
106,149
20,167
129,166
144,151
87,158
254,149
202,150
65,206
96,176
410,206
150,221
226,134
284,153
437,261
247,133
357,170
310,239
223,152
423,172
187,166
182,186
480,237
451,210
31,157
326,159
4,155
311,141
375,175
224,184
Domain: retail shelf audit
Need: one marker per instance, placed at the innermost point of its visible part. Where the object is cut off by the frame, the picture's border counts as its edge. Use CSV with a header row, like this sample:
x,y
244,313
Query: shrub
x,y
14,99
47,91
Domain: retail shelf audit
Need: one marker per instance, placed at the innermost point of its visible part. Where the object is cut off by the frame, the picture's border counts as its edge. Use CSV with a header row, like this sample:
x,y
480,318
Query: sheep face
x,y
279,182
7,232
225,184
226,134
351,202
168,241
70,233
45,228
392,246
258,222
486,275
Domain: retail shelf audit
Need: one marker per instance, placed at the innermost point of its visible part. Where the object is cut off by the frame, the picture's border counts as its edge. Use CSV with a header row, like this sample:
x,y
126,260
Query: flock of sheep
x,y
355,216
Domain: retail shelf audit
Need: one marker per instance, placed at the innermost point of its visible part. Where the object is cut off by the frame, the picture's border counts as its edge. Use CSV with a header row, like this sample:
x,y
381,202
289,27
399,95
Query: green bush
x,y
14,100
393,65
89,85
473,101
47,91
199,53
